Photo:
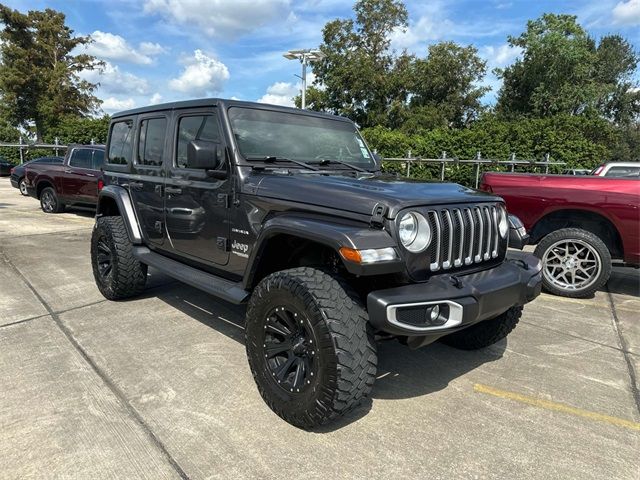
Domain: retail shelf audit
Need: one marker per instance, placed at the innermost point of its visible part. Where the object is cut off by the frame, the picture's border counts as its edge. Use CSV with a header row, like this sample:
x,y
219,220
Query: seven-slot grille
x,y
463,236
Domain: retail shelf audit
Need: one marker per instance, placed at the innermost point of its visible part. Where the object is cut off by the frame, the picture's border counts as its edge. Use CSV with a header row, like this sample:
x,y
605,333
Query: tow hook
x,y
456,282
521,263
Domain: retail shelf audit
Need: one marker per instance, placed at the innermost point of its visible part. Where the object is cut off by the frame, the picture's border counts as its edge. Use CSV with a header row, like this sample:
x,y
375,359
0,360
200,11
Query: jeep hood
x,y
360,195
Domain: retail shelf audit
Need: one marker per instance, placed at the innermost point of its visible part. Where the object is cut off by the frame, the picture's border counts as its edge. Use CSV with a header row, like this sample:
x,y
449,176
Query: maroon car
x,y
76,181
579,223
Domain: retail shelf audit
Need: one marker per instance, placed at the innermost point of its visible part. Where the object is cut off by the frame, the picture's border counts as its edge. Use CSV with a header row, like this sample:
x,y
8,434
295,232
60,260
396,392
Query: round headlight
x,y
414,232
503,222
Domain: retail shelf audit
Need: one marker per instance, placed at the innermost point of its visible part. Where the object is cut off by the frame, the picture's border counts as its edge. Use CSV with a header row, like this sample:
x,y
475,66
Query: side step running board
x,y
221,288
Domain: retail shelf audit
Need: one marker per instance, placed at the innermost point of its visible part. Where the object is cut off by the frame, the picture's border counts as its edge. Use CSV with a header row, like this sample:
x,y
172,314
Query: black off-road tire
x,y
577,235
110,242
49,201
344,361
485,333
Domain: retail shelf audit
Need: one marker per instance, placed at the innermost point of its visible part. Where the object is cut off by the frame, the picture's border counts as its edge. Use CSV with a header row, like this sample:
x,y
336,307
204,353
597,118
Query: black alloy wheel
x,y
104,257
289,348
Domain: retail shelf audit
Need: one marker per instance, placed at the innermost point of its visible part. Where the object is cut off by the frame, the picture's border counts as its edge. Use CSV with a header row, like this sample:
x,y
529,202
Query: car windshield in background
x,y
264,133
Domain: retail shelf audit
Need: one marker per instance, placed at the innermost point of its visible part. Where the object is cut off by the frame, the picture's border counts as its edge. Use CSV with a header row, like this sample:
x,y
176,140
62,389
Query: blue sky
x,y
165,50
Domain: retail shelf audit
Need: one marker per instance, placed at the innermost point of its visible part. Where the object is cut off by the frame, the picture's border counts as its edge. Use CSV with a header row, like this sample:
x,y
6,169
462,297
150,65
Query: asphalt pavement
x,y
159,386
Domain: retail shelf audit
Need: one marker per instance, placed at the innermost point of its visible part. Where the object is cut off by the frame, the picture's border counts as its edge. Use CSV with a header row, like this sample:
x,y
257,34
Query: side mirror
x,y
378,158
518,236
204,155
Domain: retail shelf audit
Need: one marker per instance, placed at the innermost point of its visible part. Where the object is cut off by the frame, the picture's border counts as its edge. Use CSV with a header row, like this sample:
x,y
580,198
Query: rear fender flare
x,y
125,207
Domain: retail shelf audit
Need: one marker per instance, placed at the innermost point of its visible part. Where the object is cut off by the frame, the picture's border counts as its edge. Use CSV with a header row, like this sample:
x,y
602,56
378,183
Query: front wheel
x,y
22,185
310,347
575,262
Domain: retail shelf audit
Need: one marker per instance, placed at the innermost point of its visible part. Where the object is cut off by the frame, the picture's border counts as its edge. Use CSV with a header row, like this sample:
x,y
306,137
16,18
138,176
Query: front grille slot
x,y
463,236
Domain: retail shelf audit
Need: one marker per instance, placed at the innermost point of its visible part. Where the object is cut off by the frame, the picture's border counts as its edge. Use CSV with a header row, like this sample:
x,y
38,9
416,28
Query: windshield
x,y
264,133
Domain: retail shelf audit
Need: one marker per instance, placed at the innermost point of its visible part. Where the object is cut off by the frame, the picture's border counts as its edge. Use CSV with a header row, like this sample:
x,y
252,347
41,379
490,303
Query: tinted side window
x,y
201,127
623,172
98,159
151,142
81,158
121,143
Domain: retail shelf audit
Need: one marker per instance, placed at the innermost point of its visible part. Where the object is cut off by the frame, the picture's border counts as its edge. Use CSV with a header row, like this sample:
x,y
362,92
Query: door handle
x,y
68,170
136,185
89,174
173,190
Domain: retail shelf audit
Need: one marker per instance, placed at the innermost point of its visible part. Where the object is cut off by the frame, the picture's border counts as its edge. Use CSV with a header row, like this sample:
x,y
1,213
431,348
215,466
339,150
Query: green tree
x,y
39,75
563,71
360,77
445,89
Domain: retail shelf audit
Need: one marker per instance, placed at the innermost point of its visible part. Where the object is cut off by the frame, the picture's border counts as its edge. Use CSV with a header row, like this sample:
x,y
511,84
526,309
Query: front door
x,y
196,210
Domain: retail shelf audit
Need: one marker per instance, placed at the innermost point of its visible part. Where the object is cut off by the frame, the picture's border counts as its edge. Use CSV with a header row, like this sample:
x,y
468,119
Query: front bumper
x,y
468,299
14,182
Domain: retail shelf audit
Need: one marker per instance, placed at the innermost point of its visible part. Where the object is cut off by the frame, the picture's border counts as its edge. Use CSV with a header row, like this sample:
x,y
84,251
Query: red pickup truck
x,y
579,223
75,181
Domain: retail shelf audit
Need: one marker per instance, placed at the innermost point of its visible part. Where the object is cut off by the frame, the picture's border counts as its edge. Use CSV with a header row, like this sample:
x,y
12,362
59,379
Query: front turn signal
x,y
370,255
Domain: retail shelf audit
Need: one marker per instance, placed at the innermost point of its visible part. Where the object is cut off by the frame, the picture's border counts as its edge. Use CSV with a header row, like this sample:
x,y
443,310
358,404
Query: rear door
x,y
79,179
147,178
196,211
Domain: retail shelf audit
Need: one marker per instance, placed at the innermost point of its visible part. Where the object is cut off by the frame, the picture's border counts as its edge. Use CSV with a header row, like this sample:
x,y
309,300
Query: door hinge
x,y
377,216
158,226
223,200
222,243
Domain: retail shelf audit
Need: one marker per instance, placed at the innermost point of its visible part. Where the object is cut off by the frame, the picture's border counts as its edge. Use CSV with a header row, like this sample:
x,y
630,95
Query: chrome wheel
x,y
571,265
48,201
23,187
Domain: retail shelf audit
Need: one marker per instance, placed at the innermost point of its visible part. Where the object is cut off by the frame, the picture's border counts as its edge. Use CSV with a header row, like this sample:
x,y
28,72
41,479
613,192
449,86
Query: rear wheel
x,y
575,262
118,274
310,347
485,333
22,185
49,201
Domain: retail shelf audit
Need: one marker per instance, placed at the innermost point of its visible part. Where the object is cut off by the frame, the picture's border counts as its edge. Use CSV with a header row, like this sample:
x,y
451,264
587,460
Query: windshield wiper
x,y
326,161
274,159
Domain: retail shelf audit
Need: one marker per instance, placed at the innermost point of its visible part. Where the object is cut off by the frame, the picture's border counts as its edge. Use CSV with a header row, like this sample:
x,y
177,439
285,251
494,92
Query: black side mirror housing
x,y
204,155
518,236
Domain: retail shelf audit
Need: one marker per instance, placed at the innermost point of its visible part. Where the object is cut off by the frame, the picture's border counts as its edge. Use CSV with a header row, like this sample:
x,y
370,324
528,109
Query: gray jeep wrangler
x,y
287,210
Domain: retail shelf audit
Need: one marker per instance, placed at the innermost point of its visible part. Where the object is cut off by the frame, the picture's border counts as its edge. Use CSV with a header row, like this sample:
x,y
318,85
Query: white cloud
x,y
155,99
150,48
113,81
202,75
219,17
281,93
114,47
112,104
627,12
499,56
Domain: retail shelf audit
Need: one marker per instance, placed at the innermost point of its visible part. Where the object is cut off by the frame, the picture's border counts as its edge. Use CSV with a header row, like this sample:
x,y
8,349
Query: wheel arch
x,y
114,201
290,241
588,220
42,184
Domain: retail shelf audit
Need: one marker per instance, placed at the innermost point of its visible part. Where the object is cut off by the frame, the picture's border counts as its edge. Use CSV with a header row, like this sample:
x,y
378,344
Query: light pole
x,y
305,56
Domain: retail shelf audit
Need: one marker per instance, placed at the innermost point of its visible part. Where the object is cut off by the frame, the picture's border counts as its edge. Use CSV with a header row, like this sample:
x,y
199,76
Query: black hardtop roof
x,y
212,102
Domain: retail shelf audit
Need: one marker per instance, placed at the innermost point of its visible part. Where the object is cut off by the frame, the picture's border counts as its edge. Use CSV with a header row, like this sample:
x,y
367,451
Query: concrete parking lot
x,y
159,386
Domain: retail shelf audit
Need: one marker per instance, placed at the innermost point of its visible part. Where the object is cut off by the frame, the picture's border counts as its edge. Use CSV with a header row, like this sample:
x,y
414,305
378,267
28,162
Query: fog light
x,y
435,313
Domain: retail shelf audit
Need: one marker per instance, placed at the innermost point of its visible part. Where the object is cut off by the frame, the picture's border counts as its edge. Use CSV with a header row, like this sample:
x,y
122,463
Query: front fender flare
x,y
125,206
333,235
